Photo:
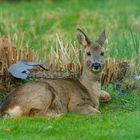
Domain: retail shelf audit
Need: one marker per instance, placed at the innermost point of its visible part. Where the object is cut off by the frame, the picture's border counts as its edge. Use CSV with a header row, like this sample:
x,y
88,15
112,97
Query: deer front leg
x,y
104,96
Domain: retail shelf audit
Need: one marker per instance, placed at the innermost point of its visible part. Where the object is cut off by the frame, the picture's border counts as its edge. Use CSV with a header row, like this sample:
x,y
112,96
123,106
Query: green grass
x,y
40,21
117,126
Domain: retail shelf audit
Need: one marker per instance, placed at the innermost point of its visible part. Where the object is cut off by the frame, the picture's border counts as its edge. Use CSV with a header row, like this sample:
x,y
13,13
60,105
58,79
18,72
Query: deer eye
x,y
102,53
88,54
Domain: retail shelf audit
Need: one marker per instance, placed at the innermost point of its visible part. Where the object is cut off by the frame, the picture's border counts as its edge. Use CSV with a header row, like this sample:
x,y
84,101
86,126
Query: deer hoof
x,y
104,97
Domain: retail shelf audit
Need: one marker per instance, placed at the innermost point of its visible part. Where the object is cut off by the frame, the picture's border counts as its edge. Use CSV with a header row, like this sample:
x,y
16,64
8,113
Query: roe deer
x,y
56,96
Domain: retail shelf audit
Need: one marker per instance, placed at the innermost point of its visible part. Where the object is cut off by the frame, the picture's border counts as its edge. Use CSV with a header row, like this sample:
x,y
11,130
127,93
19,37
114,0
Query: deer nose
x,y
96,65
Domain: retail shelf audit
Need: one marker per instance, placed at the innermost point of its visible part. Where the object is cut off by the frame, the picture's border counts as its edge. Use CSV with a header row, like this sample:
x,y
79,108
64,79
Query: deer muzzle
x,y
96,67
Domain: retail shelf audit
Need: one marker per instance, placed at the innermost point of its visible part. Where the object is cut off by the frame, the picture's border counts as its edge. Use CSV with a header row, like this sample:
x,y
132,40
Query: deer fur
x,y
56,96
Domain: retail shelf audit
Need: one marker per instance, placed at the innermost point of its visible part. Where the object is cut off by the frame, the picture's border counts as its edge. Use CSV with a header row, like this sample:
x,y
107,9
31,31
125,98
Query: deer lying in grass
x,y
56,96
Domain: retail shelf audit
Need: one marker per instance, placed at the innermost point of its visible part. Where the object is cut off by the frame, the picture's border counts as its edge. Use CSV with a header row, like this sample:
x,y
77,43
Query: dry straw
x,y
64,57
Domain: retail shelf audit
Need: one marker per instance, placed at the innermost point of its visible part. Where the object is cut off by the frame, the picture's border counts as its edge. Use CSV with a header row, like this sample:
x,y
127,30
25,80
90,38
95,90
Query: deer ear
x,y
101,39
82,38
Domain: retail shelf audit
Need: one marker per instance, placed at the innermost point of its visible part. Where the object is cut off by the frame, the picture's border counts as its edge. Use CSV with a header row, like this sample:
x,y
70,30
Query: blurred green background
x,y
42,19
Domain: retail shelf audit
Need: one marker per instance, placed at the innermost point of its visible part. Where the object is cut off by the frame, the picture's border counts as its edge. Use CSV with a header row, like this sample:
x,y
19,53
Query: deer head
x,y
93,57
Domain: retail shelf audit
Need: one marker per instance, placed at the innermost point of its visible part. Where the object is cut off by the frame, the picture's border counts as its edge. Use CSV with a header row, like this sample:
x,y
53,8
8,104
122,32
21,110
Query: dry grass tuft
x,y
65,59
114,70
10,55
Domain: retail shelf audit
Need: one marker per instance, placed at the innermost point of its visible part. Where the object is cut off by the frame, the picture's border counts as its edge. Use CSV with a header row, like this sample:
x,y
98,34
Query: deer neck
x,y
90,82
